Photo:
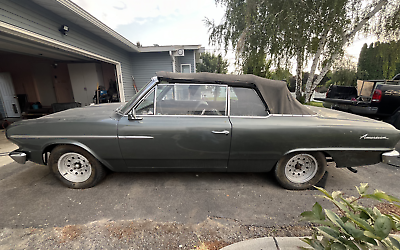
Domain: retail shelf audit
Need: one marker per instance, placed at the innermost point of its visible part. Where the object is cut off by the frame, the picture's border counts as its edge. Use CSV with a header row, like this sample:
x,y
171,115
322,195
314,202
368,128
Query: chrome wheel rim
x,y
301,168
74,167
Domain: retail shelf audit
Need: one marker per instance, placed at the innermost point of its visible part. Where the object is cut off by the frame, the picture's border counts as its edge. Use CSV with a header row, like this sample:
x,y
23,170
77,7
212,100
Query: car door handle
x,y
226,132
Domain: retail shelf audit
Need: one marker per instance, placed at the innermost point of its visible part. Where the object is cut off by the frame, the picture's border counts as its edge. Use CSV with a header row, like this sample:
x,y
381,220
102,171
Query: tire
x,y
300,170
86,172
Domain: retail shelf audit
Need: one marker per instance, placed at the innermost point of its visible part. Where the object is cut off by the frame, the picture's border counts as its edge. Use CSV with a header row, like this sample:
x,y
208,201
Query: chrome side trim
x,y
247,117
338,149
135,137
191,116
228,109
62,136
288,115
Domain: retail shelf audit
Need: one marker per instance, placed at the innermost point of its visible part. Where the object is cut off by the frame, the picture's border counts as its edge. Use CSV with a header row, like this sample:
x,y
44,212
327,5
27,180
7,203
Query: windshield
x,y
126,107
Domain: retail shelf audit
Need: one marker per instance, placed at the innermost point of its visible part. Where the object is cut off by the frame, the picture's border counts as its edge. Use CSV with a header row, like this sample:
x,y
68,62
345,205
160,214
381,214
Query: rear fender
x,y
349,157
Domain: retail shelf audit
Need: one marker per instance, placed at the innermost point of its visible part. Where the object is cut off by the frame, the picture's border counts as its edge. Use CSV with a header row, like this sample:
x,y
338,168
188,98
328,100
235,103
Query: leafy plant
x,y
354,226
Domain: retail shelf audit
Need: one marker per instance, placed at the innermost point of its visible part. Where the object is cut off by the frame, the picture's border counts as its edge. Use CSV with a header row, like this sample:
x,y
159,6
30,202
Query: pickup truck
x,y
377,99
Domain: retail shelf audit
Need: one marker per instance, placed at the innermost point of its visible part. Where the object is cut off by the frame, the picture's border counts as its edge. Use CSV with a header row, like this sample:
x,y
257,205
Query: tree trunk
x,y
346,38
321,45
299,72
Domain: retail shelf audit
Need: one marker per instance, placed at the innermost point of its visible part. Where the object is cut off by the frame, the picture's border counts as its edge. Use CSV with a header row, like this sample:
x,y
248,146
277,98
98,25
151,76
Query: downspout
x,y
173,61
194,61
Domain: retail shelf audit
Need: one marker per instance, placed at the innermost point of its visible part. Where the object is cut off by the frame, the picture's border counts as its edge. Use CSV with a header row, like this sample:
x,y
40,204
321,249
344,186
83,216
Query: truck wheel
x,y
300,170
75,167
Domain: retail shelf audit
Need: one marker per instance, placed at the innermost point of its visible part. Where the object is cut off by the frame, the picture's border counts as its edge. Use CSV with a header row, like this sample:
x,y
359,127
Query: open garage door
x,y
41,76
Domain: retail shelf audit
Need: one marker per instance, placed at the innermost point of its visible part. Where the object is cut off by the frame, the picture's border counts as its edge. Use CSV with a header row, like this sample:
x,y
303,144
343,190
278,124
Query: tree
x,y
379,60
212,63
301,29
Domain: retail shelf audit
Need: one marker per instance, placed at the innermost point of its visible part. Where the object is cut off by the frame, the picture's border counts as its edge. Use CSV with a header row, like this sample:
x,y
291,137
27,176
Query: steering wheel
x,y
201,108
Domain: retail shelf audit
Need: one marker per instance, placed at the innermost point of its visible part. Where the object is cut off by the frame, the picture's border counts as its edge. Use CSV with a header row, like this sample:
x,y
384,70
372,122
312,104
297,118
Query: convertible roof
x,y
275,93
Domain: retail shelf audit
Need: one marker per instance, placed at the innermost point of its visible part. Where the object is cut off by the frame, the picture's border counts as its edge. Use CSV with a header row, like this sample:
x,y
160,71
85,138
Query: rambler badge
x,y
366,137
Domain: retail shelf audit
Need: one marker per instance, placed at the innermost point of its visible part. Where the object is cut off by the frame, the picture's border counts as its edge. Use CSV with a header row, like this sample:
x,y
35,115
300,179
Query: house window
x,y
186,68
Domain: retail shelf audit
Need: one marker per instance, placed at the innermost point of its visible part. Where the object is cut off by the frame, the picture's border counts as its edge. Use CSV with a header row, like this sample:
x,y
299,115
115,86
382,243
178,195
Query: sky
x,y
170,22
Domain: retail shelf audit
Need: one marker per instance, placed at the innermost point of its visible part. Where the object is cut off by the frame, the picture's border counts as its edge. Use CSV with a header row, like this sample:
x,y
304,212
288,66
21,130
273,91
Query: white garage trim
x,y
29,35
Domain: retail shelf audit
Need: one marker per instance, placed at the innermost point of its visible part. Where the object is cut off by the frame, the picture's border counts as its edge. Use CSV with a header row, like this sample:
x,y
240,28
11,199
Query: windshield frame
x,y
125,109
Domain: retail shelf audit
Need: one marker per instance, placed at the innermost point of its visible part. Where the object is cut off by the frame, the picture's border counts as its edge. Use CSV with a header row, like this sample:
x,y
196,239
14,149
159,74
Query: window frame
x,y
186,64
155,90
248,116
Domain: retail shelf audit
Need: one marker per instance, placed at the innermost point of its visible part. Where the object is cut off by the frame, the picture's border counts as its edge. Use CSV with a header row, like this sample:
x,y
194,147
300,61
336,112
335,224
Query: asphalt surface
x,y
31,197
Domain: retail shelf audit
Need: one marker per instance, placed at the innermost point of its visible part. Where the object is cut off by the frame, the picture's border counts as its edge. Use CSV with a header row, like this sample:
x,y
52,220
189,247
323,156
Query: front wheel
x,y
300,170
75,167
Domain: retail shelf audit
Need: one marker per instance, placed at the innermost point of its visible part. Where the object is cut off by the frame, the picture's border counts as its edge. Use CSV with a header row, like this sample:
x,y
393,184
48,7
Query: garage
x,y
34,78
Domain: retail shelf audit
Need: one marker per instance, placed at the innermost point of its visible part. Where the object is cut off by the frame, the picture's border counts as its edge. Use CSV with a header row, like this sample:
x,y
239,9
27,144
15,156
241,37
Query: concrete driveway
x,y
31,196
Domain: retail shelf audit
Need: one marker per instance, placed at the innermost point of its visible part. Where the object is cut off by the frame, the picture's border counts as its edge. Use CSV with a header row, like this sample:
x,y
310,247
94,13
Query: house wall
x,y
187,59
145,66
30,16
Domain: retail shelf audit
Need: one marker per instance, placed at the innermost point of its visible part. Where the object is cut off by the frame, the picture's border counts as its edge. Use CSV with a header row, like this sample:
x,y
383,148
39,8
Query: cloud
x,y
116,13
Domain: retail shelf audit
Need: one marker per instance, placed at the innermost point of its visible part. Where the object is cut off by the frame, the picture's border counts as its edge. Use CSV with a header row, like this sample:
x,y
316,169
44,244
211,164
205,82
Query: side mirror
x,y
132,116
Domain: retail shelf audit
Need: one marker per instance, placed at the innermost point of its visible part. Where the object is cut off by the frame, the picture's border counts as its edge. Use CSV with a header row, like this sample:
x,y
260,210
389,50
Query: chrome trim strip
x,y
339,149
155,100
192,116
288,115
228,93
135,137
62,136
256,117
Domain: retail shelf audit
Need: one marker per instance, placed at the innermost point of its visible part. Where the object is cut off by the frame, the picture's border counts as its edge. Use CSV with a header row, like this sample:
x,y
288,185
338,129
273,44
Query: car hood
x,y
85,113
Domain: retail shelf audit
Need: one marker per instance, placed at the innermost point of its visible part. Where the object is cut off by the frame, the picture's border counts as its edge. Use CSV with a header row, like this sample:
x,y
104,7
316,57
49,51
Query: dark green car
x,y
203,122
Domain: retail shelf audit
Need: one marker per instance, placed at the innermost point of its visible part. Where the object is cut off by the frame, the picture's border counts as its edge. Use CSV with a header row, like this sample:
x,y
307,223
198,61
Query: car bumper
x,y
19,157
390,157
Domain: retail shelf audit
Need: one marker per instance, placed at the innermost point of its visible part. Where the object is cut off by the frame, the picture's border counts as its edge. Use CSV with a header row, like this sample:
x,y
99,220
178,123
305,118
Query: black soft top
x,y
275,93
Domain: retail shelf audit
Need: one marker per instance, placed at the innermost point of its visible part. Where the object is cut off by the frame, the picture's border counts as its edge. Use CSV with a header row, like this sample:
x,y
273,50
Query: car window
x,y
146,106
246,102
191,99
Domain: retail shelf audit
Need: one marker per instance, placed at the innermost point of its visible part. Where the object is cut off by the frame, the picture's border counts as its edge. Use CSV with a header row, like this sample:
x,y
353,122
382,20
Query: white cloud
x,y
116,13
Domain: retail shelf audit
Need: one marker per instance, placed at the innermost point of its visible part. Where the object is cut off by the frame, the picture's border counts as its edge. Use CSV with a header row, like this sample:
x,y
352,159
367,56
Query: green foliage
x,y
255,63
345,77
379,60
355,226
212,63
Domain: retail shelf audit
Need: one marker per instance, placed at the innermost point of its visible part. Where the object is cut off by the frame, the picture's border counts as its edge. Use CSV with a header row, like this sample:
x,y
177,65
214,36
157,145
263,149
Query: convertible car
x,y
202,122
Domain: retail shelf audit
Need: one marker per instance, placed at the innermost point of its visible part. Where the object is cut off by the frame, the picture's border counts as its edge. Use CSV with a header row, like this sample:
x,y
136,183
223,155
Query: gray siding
x,y
145,65
187,59
30,16
178,64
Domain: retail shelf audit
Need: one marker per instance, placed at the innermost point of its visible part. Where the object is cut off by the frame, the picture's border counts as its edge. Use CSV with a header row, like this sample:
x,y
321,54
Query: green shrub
x,y
355,226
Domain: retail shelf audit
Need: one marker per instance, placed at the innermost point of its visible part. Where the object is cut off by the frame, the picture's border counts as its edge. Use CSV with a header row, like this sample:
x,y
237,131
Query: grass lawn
x,y
316,104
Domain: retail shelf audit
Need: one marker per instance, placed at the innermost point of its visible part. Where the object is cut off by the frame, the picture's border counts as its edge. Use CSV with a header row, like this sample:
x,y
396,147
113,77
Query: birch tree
x,y
302,30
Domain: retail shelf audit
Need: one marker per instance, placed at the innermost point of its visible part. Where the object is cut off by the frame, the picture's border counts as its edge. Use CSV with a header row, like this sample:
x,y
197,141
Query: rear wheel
x,y
75,167
300,170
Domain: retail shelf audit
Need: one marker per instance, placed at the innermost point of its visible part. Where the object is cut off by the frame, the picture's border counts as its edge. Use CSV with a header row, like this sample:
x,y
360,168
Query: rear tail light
x,y
377,96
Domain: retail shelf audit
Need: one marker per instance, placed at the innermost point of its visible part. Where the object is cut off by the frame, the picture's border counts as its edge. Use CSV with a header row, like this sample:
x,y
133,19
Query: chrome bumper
x,y
390,157
19,157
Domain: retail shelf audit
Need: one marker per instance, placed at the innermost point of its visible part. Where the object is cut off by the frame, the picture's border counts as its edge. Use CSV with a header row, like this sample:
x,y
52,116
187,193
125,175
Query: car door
x,y
254,146
178,127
